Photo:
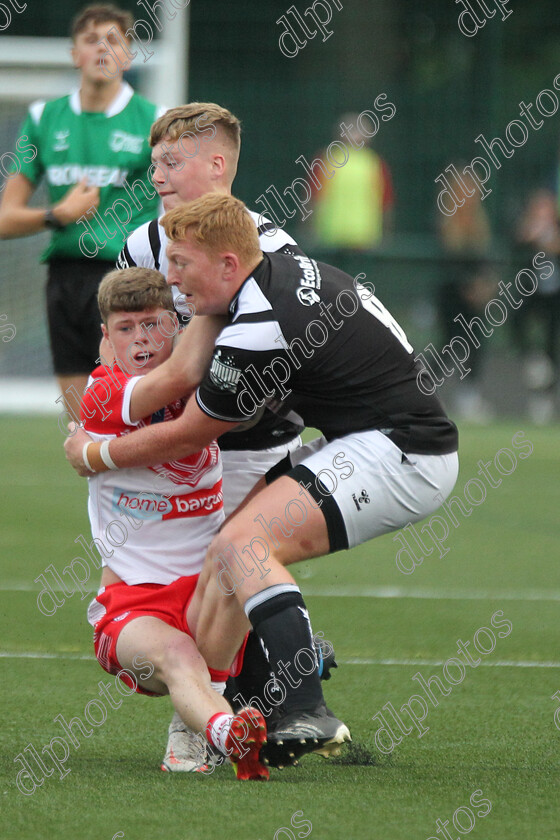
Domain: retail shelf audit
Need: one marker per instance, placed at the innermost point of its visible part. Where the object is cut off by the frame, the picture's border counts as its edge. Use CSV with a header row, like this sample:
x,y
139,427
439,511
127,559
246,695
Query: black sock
x,y
281,621
250,682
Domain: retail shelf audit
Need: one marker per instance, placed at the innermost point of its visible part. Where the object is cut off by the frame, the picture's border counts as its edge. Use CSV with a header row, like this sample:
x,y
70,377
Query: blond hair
x,y
195,118
101,13
216,222
133,290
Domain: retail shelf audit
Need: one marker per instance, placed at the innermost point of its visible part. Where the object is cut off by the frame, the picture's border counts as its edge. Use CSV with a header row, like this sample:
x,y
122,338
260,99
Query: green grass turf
x,y
495,731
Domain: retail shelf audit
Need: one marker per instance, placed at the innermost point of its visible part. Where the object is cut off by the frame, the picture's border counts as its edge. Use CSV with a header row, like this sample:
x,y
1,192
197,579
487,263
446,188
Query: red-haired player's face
x,y
200,276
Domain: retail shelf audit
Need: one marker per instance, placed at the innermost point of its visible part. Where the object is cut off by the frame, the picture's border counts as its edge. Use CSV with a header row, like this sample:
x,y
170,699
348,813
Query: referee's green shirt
x,y
108,147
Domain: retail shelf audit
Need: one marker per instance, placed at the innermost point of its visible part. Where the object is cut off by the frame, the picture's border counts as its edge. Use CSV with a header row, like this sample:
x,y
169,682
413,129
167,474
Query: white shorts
x,y
242,468
367,487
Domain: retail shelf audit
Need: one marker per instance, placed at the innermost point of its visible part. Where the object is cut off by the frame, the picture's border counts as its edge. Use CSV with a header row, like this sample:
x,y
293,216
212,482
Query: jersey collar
x,y
254,275
118,104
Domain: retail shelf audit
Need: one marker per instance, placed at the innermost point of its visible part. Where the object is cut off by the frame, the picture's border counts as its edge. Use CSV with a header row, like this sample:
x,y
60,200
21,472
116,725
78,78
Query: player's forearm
x,y
181,374
21,221
154,445
191,358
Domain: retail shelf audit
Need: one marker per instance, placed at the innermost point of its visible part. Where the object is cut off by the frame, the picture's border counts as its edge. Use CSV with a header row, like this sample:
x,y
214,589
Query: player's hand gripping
x,y
73,446
77,202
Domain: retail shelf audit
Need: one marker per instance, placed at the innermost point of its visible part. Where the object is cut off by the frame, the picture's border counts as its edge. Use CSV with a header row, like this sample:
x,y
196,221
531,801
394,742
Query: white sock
x,y
217,730
177,724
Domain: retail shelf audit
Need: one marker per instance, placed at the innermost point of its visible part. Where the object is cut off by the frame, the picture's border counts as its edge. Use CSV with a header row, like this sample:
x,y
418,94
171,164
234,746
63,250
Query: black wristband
x,y
51,222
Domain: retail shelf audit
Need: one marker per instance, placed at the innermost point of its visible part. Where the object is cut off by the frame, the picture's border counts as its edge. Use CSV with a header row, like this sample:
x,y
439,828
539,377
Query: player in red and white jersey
x,y
164,496
152,527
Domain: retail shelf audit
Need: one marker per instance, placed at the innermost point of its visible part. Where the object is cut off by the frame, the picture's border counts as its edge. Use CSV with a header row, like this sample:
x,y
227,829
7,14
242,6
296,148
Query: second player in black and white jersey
x,y
181,173
147,245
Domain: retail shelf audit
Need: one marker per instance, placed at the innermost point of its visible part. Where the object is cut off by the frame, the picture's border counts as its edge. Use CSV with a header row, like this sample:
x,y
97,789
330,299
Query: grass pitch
x,y
487,761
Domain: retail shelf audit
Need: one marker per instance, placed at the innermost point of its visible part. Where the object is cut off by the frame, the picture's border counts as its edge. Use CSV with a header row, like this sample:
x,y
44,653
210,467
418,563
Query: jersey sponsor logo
x,y
198,504
97,176
154,506
122,616
120,141
363,499
307,296
61,140
141,505
309,282
223,372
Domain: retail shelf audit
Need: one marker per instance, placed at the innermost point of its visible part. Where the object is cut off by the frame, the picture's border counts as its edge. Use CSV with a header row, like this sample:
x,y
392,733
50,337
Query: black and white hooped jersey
x,y
308,341
146,247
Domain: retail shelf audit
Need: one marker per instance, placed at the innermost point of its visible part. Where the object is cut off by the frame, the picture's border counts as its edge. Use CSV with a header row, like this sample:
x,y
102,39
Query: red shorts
x,y
122,603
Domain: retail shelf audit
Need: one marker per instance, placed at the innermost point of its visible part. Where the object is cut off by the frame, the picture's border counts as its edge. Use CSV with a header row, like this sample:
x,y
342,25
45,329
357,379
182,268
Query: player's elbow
x,y
4,227
7,227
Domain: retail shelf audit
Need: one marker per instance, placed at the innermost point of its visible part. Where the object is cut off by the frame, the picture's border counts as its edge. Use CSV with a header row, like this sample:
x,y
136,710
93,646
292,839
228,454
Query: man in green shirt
x,y
92,148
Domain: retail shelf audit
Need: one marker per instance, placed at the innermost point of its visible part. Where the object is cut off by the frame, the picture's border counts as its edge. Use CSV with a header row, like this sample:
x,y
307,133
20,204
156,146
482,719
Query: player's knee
x,y
177,659
219,543
237,553
257,555
227,563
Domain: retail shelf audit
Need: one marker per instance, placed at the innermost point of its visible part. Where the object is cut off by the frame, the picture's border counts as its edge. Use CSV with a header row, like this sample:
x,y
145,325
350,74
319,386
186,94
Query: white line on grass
x,y
27,654
368,592
428,594
6,654
500,664
38,481
30,587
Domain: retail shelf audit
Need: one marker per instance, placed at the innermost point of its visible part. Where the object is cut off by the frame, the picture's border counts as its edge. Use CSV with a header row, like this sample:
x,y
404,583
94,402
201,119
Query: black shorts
x,y
72,312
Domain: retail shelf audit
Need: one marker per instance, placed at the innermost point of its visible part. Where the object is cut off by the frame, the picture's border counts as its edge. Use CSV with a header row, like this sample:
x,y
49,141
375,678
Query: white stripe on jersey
x,y
36,110
252,300
258,337
138,244
271,240
127,397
